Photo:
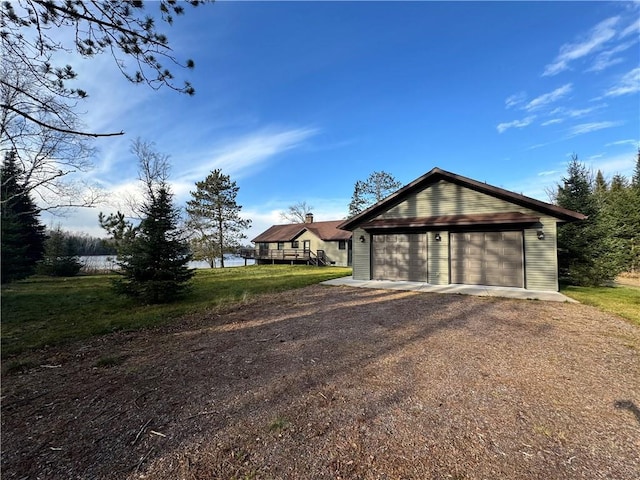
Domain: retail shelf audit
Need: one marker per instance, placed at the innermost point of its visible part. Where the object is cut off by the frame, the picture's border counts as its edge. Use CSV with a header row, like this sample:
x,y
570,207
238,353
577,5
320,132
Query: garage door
x,y
487,258
400,257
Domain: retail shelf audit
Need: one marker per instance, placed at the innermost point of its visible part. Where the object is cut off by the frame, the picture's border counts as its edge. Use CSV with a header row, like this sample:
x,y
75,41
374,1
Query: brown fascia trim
x,y
437,174
504,218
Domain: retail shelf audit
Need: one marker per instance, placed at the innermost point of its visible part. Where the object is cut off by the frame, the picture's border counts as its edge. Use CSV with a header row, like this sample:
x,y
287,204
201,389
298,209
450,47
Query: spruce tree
x,y
635,180
153,257
154,261
60,256
214,217
22,235
586,258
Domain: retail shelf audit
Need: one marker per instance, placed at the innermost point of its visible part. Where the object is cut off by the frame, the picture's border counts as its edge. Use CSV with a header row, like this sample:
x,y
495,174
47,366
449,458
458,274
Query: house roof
x,y
452,220
437,174
327,231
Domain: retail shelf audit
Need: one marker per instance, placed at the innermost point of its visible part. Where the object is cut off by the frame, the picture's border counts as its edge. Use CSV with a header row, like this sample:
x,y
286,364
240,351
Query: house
x,y
317,243
445,229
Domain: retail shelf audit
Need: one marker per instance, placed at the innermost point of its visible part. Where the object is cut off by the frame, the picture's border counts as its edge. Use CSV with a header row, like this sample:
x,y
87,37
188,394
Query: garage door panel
x,y
487,258
399,257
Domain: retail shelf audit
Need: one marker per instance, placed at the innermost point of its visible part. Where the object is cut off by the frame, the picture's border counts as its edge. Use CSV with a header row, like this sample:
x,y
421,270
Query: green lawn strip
x,y
623,301
50,311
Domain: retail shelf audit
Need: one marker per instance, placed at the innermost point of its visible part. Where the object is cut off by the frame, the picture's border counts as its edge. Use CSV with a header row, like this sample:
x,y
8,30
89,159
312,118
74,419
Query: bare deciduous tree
x,y
296,213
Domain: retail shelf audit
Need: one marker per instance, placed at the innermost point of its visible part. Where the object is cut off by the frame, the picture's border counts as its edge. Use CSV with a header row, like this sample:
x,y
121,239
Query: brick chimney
x,y
308,218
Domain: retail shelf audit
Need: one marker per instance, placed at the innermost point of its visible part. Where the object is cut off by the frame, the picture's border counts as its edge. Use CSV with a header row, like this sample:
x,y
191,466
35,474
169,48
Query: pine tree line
x,y
594,251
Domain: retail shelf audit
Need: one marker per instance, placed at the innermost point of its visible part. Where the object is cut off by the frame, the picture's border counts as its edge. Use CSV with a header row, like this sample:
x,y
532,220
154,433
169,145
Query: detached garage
x,y
444,229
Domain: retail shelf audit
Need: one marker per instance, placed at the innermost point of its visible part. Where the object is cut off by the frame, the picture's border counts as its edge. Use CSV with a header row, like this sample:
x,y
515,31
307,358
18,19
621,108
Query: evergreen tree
x,y
214,218
620,217
22,235
601,183
635,180
60,256
586,258
154,261
377,186
152,257
358,202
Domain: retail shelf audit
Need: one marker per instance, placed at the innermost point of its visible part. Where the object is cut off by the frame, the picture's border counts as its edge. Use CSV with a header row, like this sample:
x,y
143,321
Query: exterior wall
x,y
540,256
445,198
331,249
361,255
438,258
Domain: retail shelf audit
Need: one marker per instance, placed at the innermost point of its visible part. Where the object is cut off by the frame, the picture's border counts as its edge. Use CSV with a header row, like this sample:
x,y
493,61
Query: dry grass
x,y
338,383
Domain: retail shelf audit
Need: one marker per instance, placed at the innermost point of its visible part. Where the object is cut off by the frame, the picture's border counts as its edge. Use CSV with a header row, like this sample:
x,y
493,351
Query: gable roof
x,y
436,174
327,231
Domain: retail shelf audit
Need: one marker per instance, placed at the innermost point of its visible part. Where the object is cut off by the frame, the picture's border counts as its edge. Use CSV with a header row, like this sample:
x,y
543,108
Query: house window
x,y
342,244
280,245
295,244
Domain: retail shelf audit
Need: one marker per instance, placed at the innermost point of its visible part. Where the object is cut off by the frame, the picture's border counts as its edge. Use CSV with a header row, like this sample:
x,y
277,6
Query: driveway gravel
x,y
337,382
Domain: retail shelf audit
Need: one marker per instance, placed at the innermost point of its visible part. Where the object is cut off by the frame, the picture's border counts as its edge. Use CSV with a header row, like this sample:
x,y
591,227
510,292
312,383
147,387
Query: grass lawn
x,y
621,300
49,311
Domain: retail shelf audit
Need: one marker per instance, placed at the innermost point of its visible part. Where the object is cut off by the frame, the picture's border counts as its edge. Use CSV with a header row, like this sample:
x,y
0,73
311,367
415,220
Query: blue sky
x,y
298,100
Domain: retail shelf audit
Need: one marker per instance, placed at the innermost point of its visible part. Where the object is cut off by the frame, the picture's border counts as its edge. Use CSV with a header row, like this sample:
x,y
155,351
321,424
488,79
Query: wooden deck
x,y
292,255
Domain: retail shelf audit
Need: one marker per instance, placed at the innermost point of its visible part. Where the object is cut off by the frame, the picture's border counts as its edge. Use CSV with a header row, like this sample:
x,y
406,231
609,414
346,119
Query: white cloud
x,y
633,28
590,127
553,121
574,112
547,98
623,164
515,124
606,59
241,156
592,42
515,100
546,173
629,83
624,142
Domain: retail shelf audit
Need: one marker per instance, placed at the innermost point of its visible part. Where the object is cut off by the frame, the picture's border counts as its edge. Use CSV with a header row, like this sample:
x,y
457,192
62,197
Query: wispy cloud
x,y
629,83
553,121
633,28
590,127
590,43
548,98
243,155
574,112
515,100
546,173
515,124
607,58
623,142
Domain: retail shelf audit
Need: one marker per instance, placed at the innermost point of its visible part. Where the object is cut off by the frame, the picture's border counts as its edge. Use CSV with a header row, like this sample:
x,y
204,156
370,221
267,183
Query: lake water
x,y
107,262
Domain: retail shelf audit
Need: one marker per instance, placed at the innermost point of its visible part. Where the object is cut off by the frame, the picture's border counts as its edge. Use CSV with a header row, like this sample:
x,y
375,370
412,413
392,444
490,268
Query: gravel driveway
x,y
337,382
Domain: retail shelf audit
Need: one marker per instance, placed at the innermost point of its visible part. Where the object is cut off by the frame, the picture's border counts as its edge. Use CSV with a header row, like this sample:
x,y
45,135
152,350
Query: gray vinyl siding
x,y
438,257
361,255
540,256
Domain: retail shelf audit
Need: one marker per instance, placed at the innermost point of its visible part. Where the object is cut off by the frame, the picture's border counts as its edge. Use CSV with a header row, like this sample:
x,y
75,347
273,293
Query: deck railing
x,y
286,254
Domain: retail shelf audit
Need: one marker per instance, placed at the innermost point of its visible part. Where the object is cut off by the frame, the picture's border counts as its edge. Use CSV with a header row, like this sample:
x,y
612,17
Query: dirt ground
x,y
336,382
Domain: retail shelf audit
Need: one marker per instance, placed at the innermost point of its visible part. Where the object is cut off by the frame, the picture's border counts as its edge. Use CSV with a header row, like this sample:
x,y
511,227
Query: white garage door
x,y
487,258
400,257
